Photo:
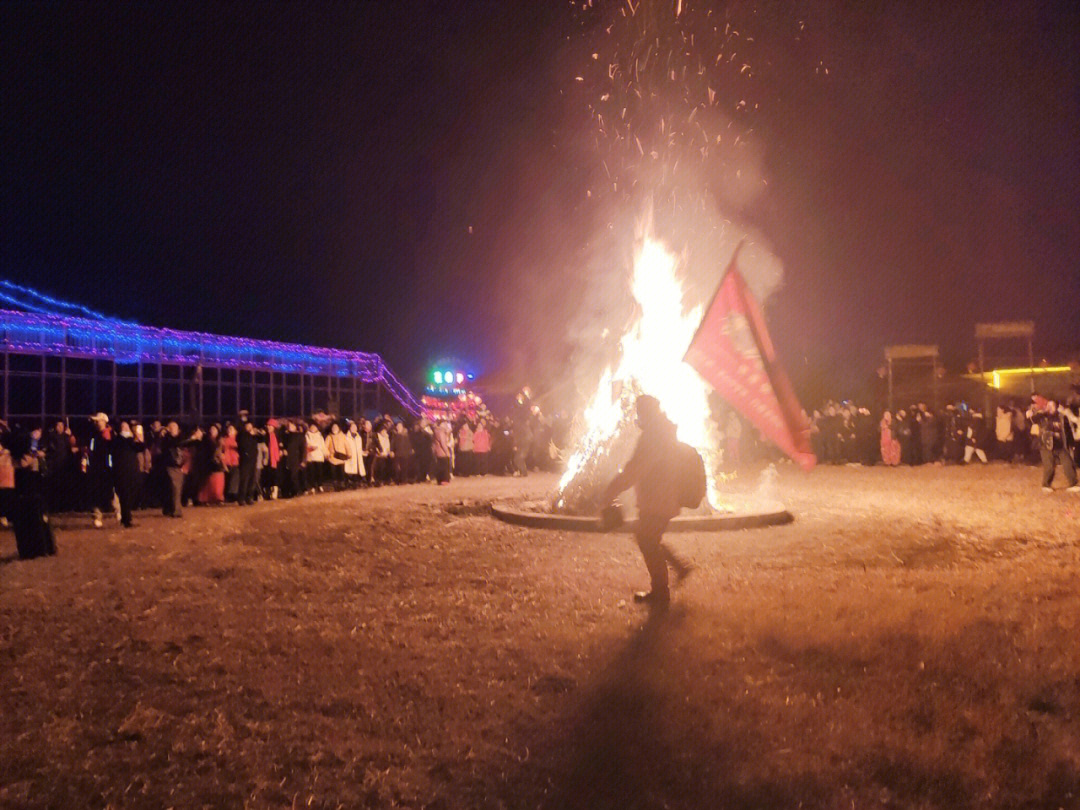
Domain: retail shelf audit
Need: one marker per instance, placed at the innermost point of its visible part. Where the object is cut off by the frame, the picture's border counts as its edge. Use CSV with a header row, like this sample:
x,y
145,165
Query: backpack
x,y
690,476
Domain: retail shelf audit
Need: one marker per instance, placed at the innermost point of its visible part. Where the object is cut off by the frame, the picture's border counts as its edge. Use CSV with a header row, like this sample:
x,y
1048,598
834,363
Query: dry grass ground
x,y
911,641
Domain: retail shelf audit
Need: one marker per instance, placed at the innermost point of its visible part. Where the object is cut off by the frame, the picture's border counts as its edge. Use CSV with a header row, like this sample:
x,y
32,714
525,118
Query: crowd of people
x,y
117,467
1039,430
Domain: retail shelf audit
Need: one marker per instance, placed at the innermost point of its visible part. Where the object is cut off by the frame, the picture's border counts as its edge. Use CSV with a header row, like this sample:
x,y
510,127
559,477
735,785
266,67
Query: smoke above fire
x,y
668,86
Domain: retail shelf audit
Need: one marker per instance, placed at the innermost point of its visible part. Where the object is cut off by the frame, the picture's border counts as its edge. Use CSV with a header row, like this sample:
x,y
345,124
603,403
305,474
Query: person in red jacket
x,y
274,466
230,459
481,448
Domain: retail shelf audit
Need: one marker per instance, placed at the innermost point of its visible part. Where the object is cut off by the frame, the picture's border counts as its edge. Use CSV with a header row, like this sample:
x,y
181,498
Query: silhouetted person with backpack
x,y
655,472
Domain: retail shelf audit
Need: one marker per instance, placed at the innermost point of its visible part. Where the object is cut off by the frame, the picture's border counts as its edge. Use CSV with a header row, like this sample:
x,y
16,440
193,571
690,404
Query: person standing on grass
x,y
172,456
928,432
354,465
1070,415
381,461
421,444
651,472
464,455
99,468
7,479
201,462
294,451
33,534
1052,447
869,452
367,436
315,458
953,435
212,490
274,467
247,446
481,448
1003,432
230,456
125,451
442,447
59,465
339,450
975,438
890,447
142,499
914,445
401,453
1021,435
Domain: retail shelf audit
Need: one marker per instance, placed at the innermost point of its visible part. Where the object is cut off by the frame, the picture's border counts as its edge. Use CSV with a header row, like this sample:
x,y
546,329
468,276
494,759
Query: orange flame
x,y
651,361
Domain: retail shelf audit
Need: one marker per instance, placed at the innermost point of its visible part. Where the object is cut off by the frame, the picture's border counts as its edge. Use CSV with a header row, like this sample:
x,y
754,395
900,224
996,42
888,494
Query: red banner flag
x,y
732,351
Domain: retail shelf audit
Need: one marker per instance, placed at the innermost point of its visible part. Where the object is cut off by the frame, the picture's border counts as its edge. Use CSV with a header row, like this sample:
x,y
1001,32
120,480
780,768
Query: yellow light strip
x,y
993,378
1038,370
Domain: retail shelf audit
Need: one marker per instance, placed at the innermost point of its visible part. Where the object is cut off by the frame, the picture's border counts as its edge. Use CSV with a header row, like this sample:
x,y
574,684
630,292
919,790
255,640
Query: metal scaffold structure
x,y
62,360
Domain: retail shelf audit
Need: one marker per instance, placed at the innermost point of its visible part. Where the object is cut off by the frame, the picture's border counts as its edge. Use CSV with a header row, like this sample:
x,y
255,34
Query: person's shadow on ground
x,y
636,740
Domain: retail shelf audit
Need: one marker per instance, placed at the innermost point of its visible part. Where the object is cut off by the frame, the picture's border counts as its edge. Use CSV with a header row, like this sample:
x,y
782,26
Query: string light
x,y
31,299
58,332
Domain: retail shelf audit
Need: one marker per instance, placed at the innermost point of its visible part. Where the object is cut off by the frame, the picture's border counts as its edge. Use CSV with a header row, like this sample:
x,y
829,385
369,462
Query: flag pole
x,y
712,298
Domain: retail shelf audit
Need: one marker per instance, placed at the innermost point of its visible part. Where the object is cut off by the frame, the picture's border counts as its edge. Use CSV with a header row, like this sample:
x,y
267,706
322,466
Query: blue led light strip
x,y
40,331
39,302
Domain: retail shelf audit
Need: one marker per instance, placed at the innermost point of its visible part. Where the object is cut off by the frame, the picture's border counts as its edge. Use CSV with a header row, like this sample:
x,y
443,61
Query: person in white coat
x,y
1003,432
380,472
354,467
315,459
339,450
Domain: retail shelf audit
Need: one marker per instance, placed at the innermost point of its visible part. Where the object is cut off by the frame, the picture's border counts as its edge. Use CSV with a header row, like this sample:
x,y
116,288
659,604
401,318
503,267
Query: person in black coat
x,y
59,464
295,449
915,428
903,435
125,451
502,449
247,446
33,533
401,453
522,436
421,445
99,468
866,429
928,433
172,460
953,429
976,439
1070,415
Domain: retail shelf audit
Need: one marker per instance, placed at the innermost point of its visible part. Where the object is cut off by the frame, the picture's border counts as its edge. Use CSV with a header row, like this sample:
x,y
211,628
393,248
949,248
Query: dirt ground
x,y
910,641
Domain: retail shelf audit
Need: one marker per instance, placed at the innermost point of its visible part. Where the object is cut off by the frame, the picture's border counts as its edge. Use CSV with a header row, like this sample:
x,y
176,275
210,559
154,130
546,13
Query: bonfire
x,y
650,362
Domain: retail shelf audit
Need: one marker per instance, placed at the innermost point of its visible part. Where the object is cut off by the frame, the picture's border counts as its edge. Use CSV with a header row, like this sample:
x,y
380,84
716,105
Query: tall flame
x,y
651,362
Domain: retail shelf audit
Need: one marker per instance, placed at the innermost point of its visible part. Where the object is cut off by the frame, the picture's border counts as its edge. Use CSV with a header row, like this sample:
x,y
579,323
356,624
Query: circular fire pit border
x,y
686,523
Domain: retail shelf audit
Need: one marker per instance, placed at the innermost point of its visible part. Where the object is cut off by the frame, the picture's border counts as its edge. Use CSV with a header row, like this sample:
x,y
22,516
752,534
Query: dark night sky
x,y
310,175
